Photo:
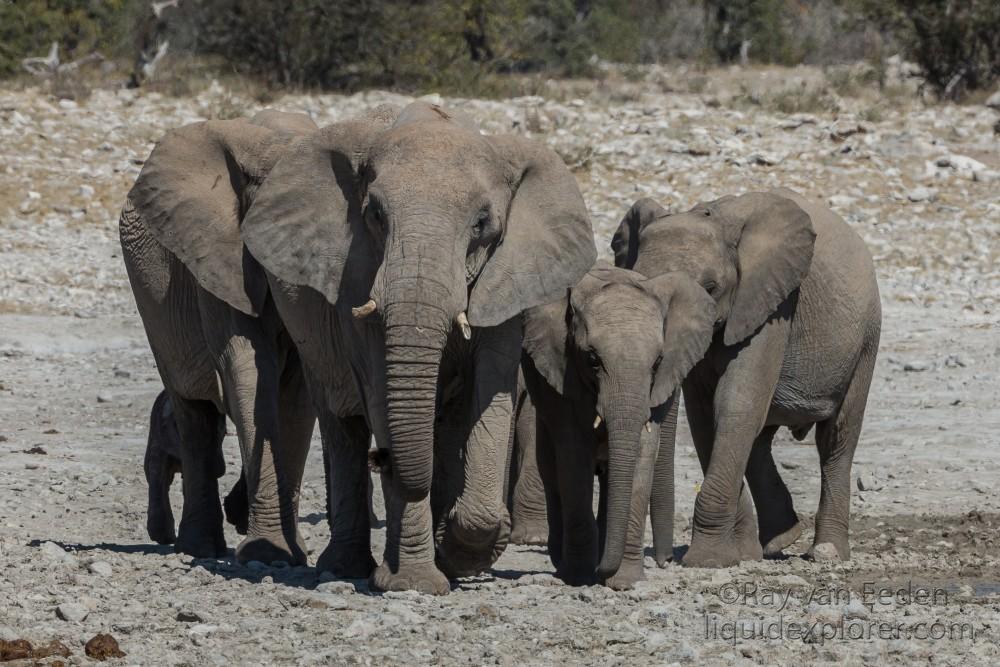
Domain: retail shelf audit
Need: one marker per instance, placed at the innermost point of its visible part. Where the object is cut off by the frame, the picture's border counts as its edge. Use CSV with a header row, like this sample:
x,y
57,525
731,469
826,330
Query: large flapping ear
x,y
774,253
625,242
306,221
688,326
548,243
546,332
192,193
284,121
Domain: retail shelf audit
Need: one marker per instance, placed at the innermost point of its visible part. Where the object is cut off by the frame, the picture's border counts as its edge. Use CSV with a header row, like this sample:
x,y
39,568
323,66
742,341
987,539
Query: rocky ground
x,y
920,184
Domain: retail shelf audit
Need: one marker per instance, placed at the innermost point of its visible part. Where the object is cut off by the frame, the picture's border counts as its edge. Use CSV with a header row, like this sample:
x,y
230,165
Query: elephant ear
x,y
625,242
305,225
548,243
545,336
688,327
284,121
192,193
774,253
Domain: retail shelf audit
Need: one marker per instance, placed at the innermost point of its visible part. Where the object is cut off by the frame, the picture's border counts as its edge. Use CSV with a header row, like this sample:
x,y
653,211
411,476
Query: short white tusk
x,y
597,421
649,427
364,311
463,324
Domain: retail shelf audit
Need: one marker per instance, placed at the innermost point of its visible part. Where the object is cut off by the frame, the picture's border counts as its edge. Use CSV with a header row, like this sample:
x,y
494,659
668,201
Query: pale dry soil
x,y
77,381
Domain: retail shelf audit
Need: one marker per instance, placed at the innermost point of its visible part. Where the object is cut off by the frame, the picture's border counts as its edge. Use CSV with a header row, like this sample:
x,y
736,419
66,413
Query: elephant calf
x,y
797,329
602,366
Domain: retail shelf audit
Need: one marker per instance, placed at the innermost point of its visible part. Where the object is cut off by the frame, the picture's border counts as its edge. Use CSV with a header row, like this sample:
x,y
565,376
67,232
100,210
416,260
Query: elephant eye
x,y
656,364
479,224
707,213
710,286
593,360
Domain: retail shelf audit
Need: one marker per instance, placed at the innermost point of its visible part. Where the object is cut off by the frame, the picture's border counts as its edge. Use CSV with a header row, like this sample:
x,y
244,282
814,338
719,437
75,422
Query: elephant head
x,y
417,224
623,343
749,252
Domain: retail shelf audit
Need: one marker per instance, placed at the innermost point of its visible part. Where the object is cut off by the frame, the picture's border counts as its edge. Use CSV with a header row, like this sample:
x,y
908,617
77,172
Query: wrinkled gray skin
x,y
797,332
217,340
615,349
417,214
525,492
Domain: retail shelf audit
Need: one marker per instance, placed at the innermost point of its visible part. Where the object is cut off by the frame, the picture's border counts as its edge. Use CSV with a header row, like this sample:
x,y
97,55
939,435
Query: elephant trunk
x,y
416,328
625,416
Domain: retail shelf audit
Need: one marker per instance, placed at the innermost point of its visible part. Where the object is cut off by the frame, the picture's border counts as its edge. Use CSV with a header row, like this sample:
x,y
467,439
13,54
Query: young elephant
x,y
602,366
796,336
218,342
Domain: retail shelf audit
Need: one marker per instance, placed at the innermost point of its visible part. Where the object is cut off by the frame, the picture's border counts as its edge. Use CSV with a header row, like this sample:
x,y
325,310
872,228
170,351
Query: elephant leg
x,y
661,501
631,569
408,561
160,466
575,484
237,506
345,453
545,455
529,524
778,524
201,428
724,528
836,440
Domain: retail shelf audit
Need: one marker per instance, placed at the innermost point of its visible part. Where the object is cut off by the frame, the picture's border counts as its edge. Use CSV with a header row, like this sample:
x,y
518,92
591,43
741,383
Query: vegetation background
x,y
480,47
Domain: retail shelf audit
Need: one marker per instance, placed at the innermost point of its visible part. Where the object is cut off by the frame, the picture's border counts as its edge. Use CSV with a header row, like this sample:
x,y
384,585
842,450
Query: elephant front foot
x,y
530,533
823,551
422,577
160,526
778,543
271,549
576,574
713,552
629,573
347,561
201,541
237,508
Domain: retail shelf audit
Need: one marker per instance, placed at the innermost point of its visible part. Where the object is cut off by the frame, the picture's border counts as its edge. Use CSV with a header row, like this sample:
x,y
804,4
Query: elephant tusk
x,y
649,427
364,311
597,421
463,324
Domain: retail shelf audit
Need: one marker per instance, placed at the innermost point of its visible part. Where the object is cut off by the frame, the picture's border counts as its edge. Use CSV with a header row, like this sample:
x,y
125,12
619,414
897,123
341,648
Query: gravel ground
x,y
77,380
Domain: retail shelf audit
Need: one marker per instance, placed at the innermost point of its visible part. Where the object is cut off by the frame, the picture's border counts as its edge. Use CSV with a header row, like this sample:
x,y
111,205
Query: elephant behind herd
x,y
388,275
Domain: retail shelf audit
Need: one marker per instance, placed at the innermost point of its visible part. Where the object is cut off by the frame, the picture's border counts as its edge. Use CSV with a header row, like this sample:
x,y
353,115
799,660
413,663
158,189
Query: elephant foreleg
x,y
345,454
160,465
529,524
778,524
661,502
408,562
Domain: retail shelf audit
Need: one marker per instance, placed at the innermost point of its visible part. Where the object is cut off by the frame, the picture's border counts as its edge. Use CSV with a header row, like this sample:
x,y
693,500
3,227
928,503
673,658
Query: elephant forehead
x,y
435,144
619,306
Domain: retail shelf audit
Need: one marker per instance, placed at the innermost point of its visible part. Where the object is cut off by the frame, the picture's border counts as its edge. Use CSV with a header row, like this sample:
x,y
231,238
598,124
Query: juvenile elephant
x,y
797,331
602,366
218,342
400,249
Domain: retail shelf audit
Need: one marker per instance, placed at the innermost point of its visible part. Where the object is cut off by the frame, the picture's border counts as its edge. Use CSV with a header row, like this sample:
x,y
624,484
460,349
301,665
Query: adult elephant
x,y
525,489
218,342
602,367
796,336
401,248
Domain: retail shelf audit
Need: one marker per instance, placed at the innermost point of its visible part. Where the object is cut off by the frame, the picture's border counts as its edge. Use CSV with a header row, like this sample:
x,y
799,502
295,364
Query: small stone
x,y
656,641
72,612
916,366
855,609
105,397
16,649
920,194
868,482
190,616
101,568
335,588
102,646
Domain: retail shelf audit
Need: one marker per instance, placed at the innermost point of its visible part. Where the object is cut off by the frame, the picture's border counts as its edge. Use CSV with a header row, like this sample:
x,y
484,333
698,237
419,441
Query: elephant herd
x,y
402,277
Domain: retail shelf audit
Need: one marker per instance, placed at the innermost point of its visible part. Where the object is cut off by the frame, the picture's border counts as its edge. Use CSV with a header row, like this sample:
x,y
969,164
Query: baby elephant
x,y
602,366
163,462
797,330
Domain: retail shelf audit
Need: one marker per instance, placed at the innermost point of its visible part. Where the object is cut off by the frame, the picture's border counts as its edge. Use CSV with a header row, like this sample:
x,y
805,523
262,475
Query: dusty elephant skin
x,y
797,333
525,492
218,343
602,367
401,247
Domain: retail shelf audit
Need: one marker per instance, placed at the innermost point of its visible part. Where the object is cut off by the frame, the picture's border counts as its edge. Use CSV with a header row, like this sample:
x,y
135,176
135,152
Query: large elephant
x,y
218,342
401,248
797,332
525,490
602,366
